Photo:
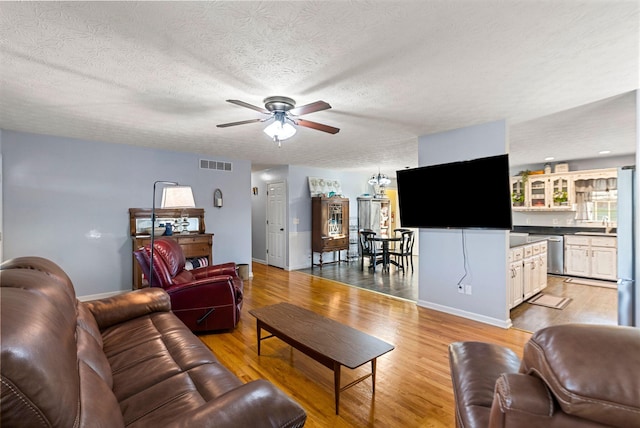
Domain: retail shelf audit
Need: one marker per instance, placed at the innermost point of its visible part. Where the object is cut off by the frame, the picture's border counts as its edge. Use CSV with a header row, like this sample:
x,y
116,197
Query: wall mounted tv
x,y
467,194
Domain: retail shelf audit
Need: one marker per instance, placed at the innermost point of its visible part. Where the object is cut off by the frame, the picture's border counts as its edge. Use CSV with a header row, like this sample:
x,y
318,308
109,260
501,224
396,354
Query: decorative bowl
x,y
158,232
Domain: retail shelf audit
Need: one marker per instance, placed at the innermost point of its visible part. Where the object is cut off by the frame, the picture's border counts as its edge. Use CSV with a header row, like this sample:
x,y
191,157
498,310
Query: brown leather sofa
x,y
121,361
572,375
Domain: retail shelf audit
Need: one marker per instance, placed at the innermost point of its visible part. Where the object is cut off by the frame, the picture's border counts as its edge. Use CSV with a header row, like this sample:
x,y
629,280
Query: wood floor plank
x,y
413,385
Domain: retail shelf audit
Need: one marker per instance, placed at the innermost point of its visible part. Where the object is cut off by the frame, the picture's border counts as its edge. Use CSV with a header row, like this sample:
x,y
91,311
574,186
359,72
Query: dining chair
x,y
397,233
404,254
369,248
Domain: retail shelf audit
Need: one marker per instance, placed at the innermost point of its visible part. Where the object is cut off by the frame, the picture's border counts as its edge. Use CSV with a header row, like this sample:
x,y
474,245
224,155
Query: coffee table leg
x,y
373,376
336,384
259,332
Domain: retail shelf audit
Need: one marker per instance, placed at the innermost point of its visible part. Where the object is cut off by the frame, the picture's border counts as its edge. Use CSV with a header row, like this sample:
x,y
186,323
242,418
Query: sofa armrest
x,y
257,404
523,400
475,367
126,306
214,270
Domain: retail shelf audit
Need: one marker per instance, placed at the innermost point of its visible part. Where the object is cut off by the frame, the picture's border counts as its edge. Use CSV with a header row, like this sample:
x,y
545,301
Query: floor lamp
x,y
175,196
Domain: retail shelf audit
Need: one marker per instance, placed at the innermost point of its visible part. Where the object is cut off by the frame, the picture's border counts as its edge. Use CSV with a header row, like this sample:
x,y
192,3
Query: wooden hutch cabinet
x,y
329,226
195,244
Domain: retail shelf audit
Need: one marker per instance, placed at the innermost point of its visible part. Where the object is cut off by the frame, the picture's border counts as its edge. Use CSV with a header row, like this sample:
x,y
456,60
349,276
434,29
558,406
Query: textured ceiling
x,y
157,74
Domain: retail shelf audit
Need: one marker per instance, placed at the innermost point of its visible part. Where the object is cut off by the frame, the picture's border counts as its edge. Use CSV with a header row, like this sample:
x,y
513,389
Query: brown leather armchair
x,y
571,375
205,299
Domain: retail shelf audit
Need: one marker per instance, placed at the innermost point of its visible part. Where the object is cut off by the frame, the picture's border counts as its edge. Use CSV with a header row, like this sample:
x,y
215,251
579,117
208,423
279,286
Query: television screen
x,y
467,194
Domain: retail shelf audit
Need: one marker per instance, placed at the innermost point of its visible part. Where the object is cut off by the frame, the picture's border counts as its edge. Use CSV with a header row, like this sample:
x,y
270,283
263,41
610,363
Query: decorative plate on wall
x,y
324,186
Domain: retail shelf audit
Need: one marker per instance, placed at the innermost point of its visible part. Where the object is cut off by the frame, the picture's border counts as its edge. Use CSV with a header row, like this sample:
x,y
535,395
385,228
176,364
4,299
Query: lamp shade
x,y
279,130
177,197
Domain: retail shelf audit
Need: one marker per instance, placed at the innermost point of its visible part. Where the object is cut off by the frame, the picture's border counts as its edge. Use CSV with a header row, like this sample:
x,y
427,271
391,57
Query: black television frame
x,y
485,205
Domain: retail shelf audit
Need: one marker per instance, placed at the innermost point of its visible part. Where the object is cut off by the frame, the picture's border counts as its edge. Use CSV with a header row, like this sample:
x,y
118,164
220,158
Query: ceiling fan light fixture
x,y
280,130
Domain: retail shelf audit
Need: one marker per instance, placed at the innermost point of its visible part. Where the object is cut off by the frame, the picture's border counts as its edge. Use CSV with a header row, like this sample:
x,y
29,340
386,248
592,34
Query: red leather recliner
x,y
205,299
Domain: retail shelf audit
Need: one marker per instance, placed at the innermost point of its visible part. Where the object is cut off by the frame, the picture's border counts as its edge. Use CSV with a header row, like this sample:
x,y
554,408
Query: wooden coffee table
x,y
329,342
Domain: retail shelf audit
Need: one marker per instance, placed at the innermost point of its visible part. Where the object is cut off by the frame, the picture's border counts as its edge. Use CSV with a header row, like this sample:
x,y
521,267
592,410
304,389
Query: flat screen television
x,y
467,194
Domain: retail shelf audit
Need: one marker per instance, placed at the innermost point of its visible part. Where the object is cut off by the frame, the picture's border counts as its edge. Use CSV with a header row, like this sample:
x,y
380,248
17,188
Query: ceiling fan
x,y
285,114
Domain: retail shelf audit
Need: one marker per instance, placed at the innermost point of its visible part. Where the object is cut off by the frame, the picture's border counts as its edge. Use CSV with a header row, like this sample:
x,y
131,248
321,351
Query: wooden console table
x,y
195,244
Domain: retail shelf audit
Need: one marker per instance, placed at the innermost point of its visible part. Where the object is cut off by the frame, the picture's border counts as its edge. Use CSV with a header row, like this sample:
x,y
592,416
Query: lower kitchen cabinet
x,y
591,256
528,272
516,281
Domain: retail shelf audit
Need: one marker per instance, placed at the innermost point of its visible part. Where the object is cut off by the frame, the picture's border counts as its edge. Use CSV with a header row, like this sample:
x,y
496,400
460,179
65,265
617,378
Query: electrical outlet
x,y
555,221
467,289
461,288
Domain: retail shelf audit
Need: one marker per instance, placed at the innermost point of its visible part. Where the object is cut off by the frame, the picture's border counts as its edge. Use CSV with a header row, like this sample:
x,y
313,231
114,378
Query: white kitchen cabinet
x,y
527,272
537,192
544,192
530,277
591,256
561,191
516,278
542,266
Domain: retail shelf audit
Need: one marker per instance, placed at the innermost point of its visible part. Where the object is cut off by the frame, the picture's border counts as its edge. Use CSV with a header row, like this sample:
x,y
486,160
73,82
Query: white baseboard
x,y
464,314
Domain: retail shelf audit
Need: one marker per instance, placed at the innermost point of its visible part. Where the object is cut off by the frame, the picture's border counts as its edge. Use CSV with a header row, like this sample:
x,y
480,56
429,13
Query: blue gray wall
x,y
68,200
442,252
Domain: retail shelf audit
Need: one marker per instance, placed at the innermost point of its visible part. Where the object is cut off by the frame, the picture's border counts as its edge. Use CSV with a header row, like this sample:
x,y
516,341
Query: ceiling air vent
x,y
216,165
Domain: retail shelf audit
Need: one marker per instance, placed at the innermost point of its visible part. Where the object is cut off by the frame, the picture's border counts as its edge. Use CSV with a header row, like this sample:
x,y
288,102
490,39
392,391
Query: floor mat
x,y
550,301
595,282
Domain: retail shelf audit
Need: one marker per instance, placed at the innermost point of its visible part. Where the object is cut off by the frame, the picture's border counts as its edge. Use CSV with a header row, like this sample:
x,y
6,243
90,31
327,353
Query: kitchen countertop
x,y
613,235
519,240
557,230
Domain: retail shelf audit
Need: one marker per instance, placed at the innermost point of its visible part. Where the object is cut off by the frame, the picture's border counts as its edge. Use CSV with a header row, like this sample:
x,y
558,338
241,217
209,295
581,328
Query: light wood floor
x,y
413,385
589,304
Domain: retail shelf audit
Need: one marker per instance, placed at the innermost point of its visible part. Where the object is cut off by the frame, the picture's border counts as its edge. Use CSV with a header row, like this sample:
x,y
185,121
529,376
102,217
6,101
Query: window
x,y
605,205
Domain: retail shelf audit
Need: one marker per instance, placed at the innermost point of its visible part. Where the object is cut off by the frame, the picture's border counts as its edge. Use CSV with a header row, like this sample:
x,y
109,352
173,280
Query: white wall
x,y
68,200
442,261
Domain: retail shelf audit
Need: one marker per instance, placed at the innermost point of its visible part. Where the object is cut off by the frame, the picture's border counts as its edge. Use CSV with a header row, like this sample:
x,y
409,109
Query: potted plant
x,y
517,198
560,197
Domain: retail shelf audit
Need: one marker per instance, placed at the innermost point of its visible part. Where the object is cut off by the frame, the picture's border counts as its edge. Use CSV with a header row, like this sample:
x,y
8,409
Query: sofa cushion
x,y
161,369
592,370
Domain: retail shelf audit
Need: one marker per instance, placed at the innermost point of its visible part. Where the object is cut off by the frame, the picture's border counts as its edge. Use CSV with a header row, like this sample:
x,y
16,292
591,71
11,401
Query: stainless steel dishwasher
x,y
555,253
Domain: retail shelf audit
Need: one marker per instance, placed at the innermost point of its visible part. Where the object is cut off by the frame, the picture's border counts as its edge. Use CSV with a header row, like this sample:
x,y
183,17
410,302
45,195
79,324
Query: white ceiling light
x,y
280,130
379,180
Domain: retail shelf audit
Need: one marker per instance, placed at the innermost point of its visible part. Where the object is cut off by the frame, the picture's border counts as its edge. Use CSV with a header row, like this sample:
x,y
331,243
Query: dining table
x,y
386,257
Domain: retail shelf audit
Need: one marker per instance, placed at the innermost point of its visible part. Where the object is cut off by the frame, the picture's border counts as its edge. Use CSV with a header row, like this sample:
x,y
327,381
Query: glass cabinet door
x,y
335,219
517,192
560,192
537,192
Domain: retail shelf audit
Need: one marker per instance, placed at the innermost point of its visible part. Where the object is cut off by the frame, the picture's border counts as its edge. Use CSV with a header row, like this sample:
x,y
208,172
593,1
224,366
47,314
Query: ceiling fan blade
x,y
310,108
318,126
242,122
247,105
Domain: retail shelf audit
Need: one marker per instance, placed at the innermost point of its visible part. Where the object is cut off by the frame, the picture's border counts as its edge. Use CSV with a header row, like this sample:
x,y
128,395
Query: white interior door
x,y
276,224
